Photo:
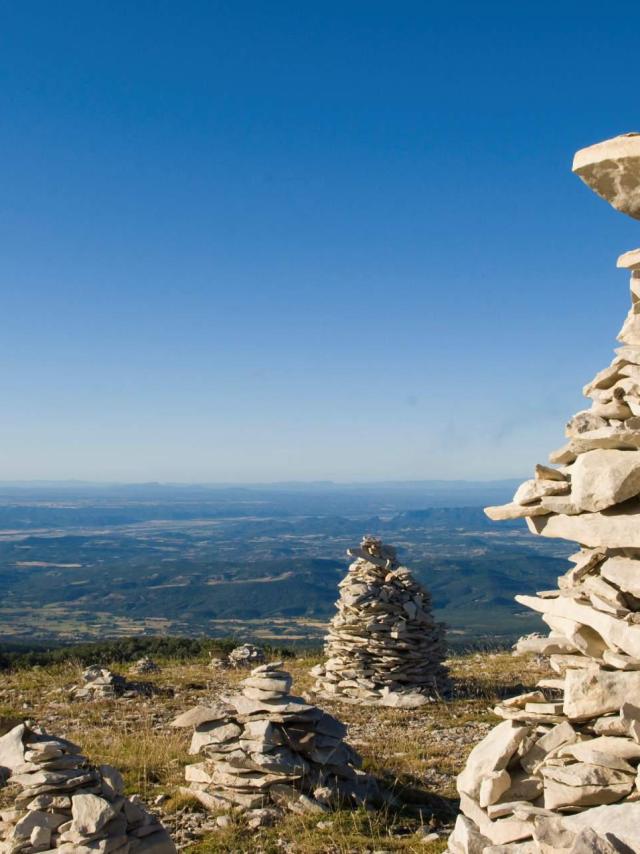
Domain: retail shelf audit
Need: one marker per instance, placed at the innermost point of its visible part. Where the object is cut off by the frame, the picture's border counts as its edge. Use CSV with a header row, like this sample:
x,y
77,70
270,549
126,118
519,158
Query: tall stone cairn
x,y
560,773
383,645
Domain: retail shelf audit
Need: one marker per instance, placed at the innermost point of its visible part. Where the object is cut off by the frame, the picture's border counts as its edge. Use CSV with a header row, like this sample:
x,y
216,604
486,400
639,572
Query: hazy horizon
x,y
284,482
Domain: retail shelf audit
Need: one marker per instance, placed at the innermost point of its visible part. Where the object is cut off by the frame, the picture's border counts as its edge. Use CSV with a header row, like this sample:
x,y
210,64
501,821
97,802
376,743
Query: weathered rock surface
x,y
612,170
603,478
383,646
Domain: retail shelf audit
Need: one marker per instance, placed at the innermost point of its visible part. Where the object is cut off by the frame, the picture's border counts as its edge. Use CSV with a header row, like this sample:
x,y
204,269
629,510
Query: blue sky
x,y
251,241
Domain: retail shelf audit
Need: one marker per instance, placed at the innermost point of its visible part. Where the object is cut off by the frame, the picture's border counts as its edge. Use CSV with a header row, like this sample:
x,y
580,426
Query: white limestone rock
x,y
612,170
585,421
615,528
624,572
533,490
493,787
12,748
595,692
466,838
90,813
614,632
502,512
620,821
490,755
603,478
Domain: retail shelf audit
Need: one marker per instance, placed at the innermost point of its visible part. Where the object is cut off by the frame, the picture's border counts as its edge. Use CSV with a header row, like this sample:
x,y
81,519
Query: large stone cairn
x,y
64,804
383,645
264,747
560,773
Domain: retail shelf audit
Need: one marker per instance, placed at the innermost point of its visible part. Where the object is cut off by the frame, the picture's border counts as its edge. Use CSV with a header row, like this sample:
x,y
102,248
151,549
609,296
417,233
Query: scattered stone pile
x,y
99,683
560,773
264,748
246,655
143,666
383,645
65,804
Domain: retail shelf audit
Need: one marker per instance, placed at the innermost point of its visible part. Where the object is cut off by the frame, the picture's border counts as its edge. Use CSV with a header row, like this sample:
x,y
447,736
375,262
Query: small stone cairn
x,y
143,666
64,804
561,772
246,655
99,683
264,748
383,646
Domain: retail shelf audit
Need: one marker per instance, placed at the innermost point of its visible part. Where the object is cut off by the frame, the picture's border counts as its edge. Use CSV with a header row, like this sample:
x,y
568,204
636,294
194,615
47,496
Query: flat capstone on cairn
x,y
265,751
383,646
64,804
561,772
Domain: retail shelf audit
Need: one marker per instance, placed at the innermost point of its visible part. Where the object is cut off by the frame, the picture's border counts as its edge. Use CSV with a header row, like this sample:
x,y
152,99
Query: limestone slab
x,y
614,528
612,170
604,477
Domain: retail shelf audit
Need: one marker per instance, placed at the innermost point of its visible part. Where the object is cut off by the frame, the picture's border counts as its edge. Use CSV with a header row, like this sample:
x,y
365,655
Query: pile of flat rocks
x,y
99,683
383,646
246,655
265,749
560,772
64,804
143,666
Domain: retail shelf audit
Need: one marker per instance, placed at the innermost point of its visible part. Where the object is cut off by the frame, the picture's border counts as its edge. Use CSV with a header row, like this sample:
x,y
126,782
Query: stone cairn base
x,y
264,748
560,773
64,804
383,645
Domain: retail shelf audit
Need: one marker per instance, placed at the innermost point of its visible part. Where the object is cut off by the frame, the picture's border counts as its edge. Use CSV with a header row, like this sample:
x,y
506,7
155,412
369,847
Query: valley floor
x,y
417,752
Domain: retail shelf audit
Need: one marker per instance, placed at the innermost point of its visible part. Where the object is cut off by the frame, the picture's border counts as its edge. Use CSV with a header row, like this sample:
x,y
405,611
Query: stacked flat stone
x,y
264,747
383,646
64,804
560,773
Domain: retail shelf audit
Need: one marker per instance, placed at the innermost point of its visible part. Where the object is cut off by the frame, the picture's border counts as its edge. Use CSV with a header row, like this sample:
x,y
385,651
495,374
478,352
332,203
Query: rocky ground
x,y
416,752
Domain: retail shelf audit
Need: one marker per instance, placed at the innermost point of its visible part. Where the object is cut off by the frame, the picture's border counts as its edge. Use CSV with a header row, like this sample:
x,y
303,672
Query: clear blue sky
x,y
254,241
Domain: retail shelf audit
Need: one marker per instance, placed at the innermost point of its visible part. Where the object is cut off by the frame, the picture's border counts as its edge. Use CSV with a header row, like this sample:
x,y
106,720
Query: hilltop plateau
x,y
416,753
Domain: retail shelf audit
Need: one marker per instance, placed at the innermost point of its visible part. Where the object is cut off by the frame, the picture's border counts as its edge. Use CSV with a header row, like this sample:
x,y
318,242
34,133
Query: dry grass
x,y
417,753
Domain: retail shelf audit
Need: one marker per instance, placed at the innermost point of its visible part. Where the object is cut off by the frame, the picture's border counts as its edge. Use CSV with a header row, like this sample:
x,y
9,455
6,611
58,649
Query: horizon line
x,y
248,484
